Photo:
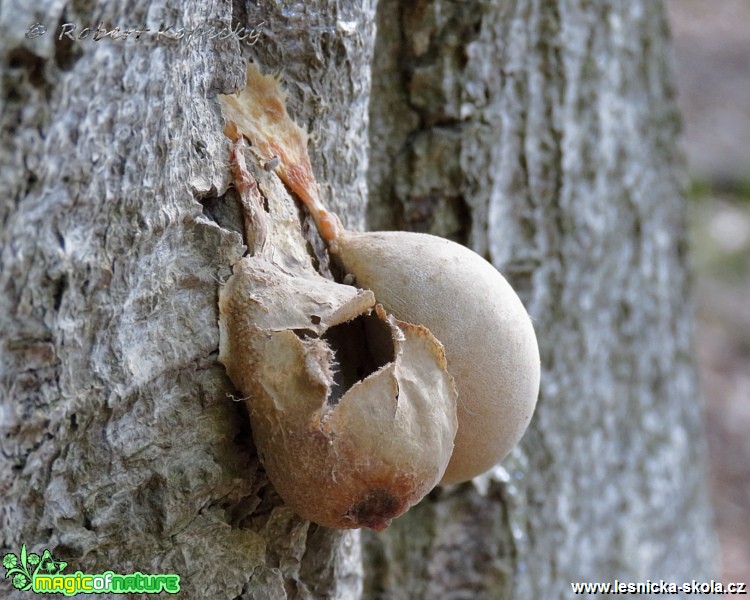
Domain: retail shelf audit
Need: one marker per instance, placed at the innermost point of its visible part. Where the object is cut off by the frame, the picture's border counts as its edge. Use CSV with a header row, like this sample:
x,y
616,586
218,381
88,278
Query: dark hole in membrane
x,y
361,347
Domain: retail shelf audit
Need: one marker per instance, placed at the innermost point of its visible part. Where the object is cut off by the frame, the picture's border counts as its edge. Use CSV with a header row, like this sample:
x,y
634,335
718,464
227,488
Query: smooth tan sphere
x,y
471,309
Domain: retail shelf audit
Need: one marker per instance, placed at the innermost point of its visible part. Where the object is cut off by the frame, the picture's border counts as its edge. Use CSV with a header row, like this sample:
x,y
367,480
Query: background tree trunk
x,y
540,132
543,134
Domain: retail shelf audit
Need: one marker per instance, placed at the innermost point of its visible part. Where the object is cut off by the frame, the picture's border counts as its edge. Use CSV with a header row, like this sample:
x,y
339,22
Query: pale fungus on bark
x,y
488,336
363,399
352,411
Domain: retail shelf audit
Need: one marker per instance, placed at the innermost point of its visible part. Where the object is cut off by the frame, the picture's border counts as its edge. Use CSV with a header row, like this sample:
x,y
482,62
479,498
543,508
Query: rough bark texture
x,y
122,448
542,133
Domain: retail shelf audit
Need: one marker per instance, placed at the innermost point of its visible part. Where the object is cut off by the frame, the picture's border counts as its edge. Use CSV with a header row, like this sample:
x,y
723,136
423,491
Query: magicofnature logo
x,y
44,575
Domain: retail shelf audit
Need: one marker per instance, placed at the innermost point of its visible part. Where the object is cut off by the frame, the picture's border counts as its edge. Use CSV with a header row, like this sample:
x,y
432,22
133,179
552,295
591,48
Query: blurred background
x,y
712,55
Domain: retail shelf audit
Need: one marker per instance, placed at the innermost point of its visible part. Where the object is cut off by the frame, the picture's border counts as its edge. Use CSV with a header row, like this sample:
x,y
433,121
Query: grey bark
x,y
122,447
543,134
540,132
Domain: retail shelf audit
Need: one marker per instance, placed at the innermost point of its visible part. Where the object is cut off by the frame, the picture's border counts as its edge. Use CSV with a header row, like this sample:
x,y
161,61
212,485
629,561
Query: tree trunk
x,y
542,133
122,448
539,132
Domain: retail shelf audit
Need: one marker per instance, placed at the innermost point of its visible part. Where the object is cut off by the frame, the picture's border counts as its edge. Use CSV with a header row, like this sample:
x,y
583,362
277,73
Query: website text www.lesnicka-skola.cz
x,y
660,587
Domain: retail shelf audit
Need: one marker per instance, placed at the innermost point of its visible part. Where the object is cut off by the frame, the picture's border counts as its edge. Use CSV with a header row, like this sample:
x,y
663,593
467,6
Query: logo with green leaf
x,y
23,568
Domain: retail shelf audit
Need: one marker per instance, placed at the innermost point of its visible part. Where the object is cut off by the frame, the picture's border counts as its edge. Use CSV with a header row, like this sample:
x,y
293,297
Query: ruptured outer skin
x,y
363,457
468,305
